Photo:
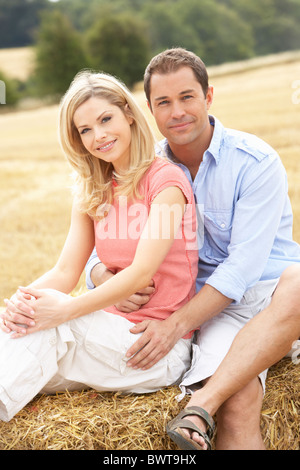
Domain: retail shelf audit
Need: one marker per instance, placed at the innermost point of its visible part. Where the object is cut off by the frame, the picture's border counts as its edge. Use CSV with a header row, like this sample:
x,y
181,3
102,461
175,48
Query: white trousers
x,y
88,352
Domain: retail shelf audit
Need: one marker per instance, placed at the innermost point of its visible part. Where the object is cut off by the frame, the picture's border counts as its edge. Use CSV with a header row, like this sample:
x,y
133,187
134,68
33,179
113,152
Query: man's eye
x,y
161,103
187,97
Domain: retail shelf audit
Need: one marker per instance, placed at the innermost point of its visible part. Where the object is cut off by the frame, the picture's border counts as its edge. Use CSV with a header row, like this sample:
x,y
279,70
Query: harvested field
x,y
34,213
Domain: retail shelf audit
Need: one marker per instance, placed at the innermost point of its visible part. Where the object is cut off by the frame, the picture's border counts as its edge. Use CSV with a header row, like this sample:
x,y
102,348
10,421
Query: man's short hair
x,y
172,60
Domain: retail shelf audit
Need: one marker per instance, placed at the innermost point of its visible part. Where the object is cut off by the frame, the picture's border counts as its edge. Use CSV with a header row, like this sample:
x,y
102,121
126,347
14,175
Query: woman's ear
x,y
128,114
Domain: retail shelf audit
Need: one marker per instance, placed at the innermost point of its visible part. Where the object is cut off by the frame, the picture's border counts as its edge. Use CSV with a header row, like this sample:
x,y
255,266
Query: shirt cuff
x,y
229,284
88,269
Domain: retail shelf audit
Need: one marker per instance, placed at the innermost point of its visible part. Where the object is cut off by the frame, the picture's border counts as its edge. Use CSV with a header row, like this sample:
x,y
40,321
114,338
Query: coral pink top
x,y
117,236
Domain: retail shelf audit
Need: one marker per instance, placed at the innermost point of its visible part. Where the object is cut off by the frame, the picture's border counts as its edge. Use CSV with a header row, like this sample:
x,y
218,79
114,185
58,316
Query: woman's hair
x,y
93,187
172,60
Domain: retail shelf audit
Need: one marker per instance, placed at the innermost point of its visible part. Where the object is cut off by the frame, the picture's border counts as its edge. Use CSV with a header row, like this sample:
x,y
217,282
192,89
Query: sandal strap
x,y
187,424
198,411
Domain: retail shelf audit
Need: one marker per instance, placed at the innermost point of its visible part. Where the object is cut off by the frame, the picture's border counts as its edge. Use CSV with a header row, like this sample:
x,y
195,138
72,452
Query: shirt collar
x,y
214,147
215,143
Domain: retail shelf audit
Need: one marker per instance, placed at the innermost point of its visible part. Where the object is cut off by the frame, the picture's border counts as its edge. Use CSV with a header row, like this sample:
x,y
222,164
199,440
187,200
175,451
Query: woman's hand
x,y
48,308
18,314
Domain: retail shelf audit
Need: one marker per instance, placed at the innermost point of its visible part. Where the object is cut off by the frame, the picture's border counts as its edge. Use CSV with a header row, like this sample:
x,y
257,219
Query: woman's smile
x,y
107,147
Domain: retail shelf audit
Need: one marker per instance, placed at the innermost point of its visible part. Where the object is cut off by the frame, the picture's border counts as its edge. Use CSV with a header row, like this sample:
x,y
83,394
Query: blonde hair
x,y
93,183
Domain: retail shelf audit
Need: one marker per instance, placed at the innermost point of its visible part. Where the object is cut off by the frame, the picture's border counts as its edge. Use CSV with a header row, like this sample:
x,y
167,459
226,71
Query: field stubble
x,y
35,177
34,214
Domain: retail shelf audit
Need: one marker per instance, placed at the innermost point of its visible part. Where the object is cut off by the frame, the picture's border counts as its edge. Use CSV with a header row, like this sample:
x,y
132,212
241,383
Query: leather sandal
x,y
175,429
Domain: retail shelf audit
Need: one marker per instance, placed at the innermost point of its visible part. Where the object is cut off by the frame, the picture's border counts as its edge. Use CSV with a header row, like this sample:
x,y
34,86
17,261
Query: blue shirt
x,y
245,216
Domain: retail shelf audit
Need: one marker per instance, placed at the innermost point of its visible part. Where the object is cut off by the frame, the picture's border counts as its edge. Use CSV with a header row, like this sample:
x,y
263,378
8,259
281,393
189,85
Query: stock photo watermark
x,y
296,93
129,222
2,92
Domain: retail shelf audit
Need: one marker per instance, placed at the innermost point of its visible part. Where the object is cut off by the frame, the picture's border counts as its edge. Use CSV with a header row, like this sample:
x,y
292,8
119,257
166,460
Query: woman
x,y
138,210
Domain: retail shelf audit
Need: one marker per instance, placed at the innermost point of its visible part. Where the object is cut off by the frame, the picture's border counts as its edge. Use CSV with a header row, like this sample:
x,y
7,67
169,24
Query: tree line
x,y
119,37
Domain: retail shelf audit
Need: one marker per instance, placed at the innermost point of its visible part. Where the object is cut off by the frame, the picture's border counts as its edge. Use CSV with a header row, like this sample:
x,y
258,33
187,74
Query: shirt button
x,y
223,225
52,341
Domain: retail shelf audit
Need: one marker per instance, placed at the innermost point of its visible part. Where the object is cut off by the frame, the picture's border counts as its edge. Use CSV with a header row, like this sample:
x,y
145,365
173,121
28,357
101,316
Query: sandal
x,y
174,429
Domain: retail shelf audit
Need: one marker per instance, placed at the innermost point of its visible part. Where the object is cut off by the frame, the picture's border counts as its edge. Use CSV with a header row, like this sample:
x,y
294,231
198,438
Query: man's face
x,y
179,107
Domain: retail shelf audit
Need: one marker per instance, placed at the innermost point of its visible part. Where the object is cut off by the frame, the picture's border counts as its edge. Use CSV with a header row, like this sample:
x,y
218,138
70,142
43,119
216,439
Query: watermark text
x,y
2,92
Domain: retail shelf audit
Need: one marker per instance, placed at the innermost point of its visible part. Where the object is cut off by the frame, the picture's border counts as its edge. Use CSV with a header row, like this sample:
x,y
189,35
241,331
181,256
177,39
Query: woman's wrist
x,y
71,308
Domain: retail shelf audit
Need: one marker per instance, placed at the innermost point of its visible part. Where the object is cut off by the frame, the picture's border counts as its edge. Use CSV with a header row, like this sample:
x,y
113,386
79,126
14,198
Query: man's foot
x,y
192,429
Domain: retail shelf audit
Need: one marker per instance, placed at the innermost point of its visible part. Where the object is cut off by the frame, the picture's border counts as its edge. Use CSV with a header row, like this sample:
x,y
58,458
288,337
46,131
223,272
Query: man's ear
x,y
209,96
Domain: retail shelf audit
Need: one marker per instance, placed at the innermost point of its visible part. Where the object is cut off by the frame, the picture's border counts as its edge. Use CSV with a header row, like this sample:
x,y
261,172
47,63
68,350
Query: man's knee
x,y
287,295
291,275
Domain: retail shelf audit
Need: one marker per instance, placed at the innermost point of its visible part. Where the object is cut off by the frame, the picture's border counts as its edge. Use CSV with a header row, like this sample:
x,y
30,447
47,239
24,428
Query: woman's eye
x,y
106,119
84,131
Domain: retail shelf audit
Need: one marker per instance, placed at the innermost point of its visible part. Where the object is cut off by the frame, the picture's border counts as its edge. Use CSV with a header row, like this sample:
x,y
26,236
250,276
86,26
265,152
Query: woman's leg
x,y
100,358
27,364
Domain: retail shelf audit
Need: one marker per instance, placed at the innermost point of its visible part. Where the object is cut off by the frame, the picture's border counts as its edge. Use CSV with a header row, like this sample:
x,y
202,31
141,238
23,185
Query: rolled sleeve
x,y
93,260
257,215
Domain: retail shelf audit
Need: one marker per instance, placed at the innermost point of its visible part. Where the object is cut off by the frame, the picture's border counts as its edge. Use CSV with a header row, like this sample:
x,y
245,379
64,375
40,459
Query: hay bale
x,y
90,420
280,420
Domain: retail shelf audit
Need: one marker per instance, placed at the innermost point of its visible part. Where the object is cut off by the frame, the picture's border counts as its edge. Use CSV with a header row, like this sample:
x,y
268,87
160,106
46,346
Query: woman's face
x,y
105,131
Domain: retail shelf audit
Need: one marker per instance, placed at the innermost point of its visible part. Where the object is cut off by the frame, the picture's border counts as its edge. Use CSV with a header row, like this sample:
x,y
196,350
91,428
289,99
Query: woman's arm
x,y
63,276
152,248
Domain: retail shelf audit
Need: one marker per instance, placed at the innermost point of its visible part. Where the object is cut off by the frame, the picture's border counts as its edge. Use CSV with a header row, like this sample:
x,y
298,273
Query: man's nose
x,y
177,110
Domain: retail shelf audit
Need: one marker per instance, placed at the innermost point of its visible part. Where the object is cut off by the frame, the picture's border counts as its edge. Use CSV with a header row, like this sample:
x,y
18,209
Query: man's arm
x,y
159,337
257,216
97,273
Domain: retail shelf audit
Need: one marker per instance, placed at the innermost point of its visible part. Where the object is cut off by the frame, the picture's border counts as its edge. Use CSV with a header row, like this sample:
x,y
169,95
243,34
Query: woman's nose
x,y
100,134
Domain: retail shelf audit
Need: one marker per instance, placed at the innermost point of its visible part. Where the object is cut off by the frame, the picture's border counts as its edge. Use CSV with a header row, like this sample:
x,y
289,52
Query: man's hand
x,y
135,301
157,340
100,274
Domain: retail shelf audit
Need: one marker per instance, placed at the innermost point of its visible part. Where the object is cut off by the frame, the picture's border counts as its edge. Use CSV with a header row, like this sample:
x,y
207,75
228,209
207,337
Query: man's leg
x,y
239,420
261,343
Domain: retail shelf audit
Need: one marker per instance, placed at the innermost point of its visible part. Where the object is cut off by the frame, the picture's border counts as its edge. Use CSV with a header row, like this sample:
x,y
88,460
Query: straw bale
x,y
90,420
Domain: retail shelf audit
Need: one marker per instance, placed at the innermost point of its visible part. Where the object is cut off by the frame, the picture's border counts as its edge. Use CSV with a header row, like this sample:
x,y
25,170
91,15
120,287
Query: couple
x,y
236,293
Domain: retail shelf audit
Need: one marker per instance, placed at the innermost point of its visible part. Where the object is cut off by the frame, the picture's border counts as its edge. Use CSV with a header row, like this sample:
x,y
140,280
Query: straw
x,y
90,420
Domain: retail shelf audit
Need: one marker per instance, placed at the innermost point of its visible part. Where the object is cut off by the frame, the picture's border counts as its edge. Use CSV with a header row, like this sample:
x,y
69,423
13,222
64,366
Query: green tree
x,y
166,29
274,23
59,54
18,20
117,44
223,35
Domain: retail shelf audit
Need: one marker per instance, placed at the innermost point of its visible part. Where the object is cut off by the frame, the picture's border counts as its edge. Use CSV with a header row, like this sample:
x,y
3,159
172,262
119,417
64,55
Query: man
x,y
247,306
